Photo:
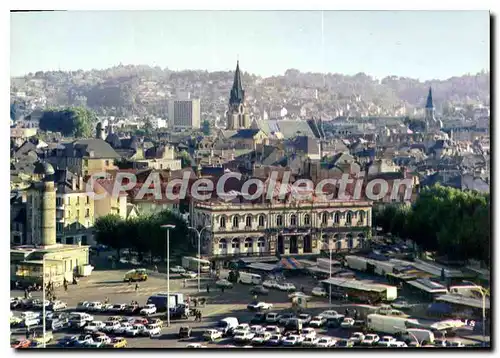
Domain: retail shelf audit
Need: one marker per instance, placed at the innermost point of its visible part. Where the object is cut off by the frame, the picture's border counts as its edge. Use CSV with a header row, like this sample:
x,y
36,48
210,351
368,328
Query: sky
x,y
419,44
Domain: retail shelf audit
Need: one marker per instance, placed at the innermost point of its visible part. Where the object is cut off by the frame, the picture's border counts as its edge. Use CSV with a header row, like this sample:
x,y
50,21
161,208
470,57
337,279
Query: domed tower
x,y
100,133
48,205
237,114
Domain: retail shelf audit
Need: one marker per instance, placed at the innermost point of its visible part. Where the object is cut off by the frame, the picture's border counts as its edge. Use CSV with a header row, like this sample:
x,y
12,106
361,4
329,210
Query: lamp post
x,y
43,302
330,285
199,249
168,227
483,292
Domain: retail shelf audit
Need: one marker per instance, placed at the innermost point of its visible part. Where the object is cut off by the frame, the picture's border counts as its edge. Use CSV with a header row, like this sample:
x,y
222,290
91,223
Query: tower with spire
x,y
430,119
237,114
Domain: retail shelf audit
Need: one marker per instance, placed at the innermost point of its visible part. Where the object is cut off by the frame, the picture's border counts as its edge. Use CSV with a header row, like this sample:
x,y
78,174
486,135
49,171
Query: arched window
x,y
222,221
235,243
324,218
261,220
279,220
236,221
261,243
348,218
307,219
361,216
222,244
248,221
293,220
336,218
248,242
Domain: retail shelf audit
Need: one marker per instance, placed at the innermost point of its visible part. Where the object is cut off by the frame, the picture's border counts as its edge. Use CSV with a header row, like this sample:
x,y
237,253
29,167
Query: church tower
x,y
237,115
430,120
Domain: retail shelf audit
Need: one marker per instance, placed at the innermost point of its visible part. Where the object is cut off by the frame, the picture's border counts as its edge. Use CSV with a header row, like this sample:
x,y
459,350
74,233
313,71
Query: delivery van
x,y
136,275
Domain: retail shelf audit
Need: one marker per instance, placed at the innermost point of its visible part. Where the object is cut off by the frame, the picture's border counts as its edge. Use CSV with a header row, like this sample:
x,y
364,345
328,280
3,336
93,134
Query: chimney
x,y
73,183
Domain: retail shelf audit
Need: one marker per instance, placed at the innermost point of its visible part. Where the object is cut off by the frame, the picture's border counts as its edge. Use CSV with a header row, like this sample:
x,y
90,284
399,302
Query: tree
x,y
72,121
107,232
185,159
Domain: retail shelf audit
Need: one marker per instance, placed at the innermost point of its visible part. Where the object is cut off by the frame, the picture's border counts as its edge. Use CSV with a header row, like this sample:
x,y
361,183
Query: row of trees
x,y
143,234
452,222
78,122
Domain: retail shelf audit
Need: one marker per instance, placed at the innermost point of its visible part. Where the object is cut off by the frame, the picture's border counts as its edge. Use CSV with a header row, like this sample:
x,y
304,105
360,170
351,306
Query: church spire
x,y
237,94
429,103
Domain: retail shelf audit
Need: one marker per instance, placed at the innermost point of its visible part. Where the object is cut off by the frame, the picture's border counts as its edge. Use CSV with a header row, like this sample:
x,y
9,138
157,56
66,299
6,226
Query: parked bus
x,y
191,263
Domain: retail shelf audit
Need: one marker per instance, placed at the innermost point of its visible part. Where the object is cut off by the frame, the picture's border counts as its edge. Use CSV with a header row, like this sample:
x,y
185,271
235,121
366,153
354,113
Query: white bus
x,y
191,263
250,278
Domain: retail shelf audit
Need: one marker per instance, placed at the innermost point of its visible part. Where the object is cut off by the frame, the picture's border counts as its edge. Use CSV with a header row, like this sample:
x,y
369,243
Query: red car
x,y
21,343
141,320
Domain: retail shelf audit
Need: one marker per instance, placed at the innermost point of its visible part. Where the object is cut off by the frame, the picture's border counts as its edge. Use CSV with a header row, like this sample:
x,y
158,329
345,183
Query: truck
x,y
191,263
388,324
160,300
424,336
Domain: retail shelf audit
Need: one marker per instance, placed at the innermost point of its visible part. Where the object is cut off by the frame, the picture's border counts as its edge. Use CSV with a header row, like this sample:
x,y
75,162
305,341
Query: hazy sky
x,y
421,44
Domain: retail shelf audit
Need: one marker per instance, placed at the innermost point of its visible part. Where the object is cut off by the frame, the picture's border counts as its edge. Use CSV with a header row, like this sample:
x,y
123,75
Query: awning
x,y
290,263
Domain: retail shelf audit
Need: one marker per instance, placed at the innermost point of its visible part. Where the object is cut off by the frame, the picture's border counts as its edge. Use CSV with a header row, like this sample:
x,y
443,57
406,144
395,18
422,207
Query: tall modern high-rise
x,y
237,114
184,113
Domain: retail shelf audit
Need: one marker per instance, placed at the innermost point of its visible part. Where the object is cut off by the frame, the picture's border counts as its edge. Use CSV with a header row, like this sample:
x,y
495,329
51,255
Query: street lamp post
x,y
330,285
199,249
482,291
168,227
43,301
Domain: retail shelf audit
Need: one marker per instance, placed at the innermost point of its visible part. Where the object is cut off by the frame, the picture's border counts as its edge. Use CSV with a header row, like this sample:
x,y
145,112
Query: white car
x,y
189,274
293,340
357,337
212,335
103,340
325,342
177,269
223,283
270,284
308,332
148,310
241,328
261,337
347,322
119,307
111,326
94,326
274,340
319,292
82,306
259,306
386,340
195,345
370,340
272,317
455,344
244,336
317,321
310,341
273,329
331,314
257,329
123,327
286,286
95,306
398,344
58,306
152,330
135,330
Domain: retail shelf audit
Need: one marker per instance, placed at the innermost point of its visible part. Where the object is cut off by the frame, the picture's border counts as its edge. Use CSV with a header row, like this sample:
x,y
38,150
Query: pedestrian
x,y
185,283
136,287
199,316
195,301
302,289
26,293
27,333
208,289
66,286
106,300
222,289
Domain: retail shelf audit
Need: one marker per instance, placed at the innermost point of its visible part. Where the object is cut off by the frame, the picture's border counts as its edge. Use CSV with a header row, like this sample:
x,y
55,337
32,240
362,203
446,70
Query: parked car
x,y
347,322
184,332
20,343
317,321
370,340
357,337
397,344
261,338
177,269
82,306
304,318
152,330
118,342
257,328
293,340
325,342
189,274
344,343
331,314
440,343
148,310
103,340
241,337
274,340
84,339
401,304
111,326
286,286
259,290
273,329
135,330
58,306
115,318
132,309
195,345
94,326
308,332
212,335
118,308
123,327
95,306
270,284
456,344
257,306
385,341
310,342
156,321
319,292
259,317
243,327
285,317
